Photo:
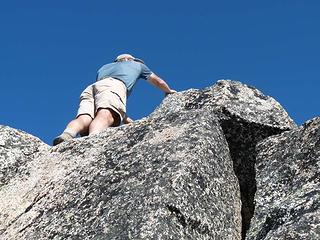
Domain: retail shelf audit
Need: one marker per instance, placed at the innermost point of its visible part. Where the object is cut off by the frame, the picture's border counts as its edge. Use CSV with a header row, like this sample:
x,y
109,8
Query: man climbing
x,y
103,103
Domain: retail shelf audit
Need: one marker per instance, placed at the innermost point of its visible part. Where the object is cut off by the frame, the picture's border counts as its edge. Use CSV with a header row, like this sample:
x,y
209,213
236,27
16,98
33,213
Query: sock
x,y
70,132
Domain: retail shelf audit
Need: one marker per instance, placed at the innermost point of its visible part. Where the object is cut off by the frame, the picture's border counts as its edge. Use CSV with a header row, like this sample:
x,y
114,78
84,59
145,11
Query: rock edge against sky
x,y
190,170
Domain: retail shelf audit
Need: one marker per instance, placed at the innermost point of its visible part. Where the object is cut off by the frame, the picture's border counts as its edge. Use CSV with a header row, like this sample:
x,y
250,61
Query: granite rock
x,y
17,149
168,179
172,175
246,116
288,182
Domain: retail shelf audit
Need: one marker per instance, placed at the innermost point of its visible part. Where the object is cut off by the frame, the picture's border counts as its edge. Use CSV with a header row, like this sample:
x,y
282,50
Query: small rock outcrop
x,y
185,172
17,149
288,182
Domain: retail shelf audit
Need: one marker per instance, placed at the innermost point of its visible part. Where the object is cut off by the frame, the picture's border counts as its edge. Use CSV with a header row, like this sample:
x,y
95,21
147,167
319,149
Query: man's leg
x,y
103,119
79,125
83,120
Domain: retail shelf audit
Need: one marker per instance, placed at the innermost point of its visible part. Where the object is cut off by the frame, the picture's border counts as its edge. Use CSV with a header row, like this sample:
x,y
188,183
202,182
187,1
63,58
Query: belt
x,y
110,77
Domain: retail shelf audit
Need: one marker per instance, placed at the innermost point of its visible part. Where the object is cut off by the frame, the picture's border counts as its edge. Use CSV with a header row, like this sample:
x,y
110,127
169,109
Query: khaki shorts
x,y
107,93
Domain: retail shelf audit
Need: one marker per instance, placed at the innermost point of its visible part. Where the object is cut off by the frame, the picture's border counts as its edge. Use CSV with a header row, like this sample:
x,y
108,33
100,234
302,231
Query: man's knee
x,y
86,119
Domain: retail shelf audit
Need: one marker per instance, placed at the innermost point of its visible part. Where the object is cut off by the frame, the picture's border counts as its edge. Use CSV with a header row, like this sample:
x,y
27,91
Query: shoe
x,y
61,138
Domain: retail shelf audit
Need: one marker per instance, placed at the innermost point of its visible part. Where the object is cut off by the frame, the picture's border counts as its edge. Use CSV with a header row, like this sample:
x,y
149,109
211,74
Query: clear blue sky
x,y
50,50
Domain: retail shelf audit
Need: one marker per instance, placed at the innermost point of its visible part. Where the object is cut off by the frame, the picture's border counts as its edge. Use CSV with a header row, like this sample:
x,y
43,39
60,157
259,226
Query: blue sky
x,y
50,50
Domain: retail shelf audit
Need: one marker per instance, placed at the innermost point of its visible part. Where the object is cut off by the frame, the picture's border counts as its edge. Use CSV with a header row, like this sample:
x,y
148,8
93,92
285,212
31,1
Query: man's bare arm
x,y
160,83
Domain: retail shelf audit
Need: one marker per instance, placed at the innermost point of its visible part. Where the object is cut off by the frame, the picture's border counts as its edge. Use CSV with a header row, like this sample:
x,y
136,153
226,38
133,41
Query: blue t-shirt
x,y
126,71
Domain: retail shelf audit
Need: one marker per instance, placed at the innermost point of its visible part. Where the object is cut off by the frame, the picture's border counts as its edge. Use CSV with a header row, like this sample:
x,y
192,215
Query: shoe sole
x,y
58,141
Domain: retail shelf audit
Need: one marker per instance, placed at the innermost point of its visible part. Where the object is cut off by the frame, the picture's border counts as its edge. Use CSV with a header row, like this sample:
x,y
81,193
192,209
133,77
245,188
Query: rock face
x,y
185,172
16,150
246,116
288,182
154,179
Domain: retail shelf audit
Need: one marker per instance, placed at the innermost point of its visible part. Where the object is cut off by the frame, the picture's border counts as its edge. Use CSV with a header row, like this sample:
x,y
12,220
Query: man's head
x,y
127,57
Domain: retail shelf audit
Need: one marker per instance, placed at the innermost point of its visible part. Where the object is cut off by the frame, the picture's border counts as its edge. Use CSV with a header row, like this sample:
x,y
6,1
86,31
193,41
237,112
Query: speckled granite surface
x,y
172,175
246,116
17,148
154,179
288,183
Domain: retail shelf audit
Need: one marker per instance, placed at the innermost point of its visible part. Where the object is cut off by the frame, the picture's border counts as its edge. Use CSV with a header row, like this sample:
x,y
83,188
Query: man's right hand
x,y
160,83
171,91
127,120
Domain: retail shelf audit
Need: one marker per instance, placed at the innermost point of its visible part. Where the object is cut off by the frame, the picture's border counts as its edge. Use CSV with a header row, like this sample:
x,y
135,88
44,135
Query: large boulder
x,y
288,182
246,116
172,175
161,178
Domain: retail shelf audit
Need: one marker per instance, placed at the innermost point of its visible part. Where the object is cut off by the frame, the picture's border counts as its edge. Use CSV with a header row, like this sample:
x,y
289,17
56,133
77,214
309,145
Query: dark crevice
x,y
242,138
36,200
178,214
31,153
32,222
188,222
